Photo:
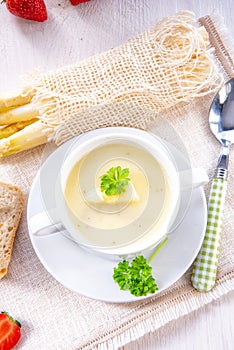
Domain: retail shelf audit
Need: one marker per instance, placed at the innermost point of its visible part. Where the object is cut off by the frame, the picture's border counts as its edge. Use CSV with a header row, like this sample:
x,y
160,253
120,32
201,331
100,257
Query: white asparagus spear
x,y
19,114
31,136
16,98
9,130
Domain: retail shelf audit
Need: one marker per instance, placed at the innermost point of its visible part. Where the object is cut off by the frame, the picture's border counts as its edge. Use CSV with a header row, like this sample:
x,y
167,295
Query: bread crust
x,y
11,207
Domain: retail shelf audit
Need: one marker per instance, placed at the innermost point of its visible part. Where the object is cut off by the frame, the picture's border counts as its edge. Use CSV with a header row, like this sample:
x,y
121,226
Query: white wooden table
x,y
72,34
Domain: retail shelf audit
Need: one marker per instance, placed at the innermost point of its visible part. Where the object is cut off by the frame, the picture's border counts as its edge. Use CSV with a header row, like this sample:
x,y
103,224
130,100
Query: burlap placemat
x,y
56,318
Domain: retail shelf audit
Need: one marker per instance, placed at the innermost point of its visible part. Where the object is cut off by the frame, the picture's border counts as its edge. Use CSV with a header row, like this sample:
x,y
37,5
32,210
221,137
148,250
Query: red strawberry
x,y
9,331
28,9
77,2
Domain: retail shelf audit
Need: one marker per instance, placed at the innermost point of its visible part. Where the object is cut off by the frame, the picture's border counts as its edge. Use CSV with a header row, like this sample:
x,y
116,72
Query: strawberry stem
x,y
11,318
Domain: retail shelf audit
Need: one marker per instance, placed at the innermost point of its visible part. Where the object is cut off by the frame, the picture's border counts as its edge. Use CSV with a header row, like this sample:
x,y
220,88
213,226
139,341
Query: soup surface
x,y
107,221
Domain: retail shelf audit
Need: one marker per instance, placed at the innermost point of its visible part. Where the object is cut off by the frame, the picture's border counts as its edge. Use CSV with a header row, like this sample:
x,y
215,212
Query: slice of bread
x,y
11,207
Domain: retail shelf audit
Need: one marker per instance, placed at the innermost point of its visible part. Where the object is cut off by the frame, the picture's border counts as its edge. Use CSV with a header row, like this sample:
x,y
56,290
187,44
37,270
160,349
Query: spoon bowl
x,y
221,116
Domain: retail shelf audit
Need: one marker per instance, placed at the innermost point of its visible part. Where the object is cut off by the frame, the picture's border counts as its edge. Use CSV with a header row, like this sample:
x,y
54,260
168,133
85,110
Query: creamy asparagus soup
x,y
108,217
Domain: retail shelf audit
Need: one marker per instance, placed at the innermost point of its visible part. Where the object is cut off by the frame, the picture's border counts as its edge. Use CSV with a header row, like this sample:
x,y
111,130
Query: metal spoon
x,y
221,119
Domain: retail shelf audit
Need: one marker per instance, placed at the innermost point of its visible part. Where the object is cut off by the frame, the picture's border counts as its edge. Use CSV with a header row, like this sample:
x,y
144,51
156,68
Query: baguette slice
x,y
11,207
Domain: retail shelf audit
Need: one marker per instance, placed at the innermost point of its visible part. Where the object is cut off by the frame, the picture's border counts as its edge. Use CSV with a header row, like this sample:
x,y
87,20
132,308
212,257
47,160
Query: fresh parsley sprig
x,y
137,276
115,181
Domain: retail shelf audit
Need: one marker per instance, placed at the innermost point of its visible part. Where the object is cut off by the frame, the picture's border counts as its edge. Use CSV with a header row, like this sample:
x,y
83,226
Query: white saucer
x,y
91,275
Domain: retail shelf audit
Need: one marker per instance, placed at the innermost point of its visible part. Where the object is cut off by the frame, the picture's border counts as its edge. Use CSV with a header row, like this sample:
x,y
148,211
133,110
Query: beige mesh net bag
x,y
168,64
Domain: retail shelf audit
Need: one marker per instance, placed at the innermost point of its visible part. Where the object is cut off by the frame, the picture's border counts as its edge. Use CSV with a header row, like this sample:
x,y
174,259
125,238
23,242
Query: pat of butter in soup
x,y
128,216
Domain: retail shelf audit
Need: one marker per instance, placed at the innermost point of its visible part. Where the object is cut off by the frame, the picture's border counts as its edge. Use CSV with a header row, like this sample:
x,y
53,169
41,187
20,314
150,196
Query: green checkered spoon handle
x,y
221,119
205,266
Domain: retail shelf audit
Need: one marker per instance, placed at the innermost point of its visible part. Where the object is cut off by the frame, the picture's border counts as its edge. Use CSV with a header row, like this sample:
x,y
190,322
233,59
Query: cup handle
x,y
45,223
193,178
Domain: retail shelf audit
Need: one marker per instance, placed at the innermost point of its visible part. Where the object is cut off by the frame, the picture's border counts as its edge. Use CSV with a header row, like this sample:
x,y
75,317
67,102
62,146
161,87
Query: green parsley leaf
x,y
115,181
137,277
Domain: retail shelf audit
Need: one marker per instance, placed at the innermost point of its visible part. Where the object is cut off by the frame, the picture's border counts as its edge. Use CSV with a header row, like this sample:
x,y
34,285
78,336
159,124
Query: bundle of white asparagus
x,y
20,127
170,63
